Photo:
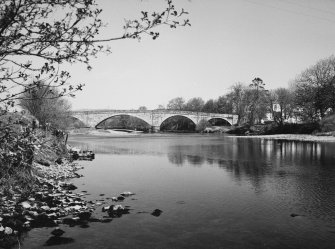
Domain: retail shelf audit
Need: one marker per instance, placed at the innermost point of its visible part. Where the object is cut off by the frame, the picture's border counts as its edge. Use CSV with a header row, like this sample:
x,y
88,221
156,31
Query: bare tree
x,y
315,90
281,102
236,97
47,107
142,108
257,100
36,45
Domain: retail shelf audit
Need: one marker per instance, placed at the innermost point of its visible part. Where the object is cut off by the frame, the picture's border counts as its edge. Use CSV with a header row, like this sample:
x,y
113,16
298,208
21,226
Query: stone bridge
x,y
92,118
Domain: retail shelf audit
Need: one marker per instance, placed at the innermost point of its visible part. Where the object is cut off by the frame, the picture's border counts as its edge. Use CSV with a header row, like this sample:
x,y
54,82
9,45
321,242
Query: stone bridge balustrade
x,y
91,118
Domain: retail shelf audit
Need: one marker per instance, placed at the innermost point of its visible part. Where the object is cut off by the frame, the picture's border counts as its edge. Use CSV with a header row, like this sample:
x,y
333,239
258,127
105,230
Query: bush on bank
x,y
21,144
307,128
327,124
273,128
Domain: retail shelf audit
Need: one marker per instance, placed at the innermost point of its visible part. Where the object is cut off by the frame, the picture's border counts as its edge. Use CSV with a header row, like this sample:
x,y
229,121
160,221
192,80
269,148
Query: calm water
x,y
214,191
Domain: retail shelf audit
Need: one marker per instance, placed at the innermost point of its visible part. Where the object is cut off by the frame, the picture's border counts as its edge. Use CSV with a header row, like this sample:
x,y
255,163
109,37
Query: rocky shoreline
x,y
51,204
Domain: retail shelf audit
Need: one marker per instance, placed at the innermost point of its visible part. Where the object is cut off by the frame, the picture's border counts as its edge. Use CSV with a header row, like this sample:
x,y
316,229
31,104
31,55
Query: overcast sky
x,y
229,41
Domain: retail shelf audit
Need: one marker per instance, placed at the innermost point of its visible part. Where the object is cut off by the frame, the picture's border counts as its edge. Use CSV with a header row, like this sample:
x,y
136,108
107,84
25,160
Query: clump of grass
x,y
21,181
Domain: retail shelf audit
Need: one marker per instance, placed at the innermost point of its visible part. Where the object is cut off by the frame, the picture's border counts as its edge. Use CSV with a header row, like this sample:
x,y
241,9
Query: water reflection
x,y
256,160
254,151
57,241
236,192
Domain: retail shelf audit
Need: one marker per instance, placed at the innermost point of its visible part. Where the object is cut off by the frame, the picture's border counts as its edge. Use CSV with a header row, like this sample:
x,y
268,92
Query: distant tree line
x,y
250,102
308,98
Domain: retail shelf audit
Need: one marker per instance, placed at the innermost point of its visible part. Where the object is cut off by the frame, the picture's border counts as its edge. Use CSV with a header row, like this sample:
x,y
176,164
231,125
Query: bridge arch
x,y
75,122
185,117
123,114
223,120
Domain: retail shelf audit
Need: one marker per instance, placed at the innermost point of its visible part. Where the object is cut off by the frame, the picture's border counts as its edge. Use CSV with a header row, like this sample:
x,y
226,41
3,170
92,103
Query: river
x,y
214,191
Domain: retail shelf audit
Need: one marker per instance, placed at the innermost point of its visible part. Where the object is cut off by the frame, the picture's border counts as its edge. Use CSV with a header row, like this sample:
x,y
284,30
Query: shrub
x,y
202,125
328,123
307,128
17,145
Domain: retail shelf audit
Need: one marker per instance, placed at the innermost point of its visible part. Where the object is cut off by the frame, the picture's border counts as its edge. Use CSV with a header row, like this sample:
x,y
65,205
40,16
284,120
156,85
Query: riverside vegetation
x,y
33,164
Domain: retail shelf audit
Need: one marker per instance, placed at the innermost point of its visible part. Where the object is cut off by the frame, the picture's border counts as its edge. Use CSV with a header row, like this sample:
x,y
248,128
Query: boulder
x,y
127,193
57,232
84,215
157,212
43,220
25,205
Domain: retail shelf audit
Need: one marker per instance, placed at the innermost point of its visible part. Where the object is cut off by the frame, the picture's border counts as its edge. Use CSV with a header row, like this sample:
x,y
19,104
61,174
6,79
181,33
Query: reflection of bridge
x,y
154,118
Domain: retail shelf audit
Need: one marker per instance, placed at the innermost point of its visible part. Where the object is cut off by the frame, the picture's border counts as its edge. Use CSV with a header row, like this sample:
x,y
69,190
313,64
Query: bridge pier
x,y
155,128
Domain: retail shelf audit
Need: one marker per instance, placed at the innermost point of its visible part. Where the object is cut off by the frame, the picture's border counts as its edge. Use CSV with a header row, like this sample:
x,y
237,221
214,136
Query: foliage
x,y
21,146
194,104
281,102
47,107
142,108
202,125
176,104
328,123
256,101
237,98
223,105
209,106
311,98
16,151
161,107
306,128
315,90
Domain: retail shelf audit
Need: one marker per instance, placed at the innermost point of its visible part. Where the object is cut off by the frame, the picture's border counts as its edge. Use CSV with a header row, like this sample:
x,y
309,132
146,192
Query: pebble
x,y
25,205
104,209
45,208
8,230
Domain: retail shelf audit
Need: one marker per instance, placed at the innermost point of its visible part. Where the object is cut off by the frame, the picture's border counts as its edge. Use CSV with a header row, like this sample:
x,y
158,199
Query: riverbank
x,y
43,203
34,187
48,199
294,137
